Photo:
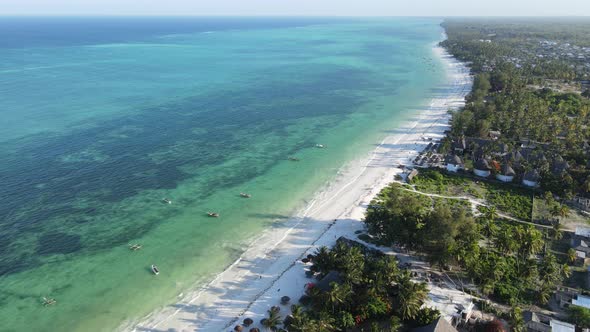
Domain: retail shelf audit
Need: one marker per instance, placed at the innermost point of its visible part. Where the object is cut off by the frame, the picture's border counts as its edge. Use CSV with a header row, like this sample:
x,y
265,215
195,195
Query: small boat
x,y
320,146
166,200
135,247
245,195
155,269
213,214
293,159
47,301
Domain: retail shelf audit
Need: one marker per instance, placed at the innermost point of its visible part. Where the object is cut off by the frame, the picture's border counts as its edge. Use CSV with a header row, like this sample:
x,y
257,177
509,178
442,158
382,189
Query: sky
x,y
299,7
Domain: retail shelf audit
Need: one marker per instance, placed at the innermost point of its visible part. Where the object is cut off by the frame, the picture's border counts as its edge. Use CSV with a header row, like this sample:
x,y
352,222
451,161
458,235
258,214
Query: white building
x,y
531,179
454,163
482,168
507,174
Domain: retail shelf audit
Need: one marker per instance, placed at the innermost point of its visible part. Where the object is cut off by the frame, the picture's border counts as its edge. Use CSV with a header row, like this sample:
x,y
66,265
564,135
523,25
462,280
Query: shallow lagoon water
x,y
97,130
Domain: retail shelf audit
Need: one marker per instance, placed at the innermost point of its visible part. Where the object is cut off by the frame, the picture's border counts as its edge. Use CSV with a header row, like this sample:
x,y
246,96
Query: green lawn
x,y
507,198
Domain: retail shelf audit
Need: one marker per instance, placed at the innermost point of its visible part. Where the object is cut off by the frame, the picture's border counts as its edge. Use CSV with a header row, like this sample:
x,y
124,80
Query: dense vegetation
x,y
507,260
527,86
372,293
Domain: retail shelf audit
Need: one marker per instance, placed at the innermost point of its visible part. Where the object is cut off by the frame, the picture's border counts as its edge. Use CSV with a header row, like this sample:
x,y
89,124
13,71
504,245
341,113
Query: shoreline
x,y
270,268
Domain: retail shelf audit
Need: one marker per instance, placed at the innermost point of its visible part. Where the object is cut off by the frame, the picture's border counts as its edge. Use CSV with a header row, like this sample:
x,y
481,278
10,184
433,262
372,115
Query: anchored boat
x,y
155,269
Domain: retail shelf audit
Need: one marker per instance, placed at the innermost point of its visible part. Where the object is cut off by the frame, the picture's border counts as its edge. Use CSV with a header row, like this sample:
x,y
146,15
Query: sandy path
x,y
270,268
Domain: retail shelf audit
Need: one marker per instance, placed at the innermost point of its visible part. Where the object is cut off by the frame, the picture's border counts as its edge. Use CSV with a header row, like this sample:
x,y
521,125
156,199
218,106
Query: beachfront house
x,y
580,242
559,166
582,203
506,174
582,301
482,168
531,179
536,322
454,163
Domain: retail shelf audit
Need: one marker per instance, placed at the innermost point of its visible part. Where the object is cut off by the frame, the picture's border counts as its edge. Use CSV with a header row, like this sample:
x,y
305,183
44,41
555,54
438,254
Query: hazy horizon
x,y
386,8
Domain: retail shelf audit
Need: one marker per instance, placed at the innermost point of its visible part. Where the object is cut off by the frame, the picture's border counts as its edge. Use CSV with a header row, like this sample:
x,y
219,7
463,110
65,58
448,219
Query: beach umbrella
x,y
254,329
275,308
305,260
285,300
248,321
238,328
310,257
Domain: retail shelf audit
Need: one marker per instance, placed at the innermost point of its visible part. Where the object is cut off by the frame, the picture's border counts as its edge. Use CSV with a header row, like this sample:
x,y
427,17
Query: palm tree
x,y
298,320
530,239
490,212
273,321
325,323
338,294
564,211
323,260
410,296
571,255
556,231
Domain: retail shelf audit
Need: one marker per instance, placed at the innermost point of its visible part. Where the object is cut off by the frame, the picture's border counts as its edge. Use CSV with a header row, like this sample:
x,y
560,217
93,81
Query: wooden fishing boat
x,y
244,195
155,270
135,247
47,301
293,159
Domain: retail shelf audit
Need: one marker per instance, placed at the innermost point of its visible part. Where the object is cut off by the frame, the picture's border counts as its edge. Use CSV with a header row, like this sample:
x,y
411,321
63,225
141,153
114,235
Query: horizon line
x,y
279,15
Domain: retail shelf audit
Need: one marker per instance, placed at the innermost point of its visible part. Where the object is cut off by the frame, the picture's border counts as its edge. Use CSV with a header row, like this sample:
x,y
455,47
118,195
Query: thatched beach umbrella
x,y
275,308
305,260
238,328
285,300
248,321
254,329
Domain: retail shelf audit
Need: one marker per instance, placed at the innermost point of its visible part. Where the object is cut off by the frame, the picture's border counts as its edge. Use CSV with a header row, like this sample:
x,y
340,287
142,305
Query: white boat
x,y
245,195
213,214
155,269
166,200
320,146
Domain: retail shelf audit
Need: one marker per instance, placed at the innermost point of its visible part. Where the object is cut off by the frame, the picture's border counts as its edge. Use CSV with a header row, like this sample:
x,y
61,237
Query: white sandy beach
x,y
271,267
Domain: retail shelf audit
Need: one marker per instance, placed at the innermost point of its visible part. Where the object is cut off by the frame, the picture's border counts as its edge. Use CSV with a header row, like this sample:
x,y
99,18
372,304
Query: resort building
x,y
531,179
535,322
580,242
482,168
582,301
506,174
582,203
454,163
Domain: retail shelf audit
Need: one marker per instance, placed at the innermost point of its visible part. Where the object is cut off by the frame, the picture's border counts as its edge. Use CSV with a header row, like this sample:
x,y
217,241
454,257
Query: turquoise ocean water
x,y
103,117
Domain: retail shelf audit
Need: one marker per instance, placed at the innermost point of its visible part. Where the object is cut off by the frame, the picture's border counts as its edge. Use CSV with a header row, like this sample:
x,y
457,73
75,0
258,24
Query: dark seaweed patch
x,y
58,243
